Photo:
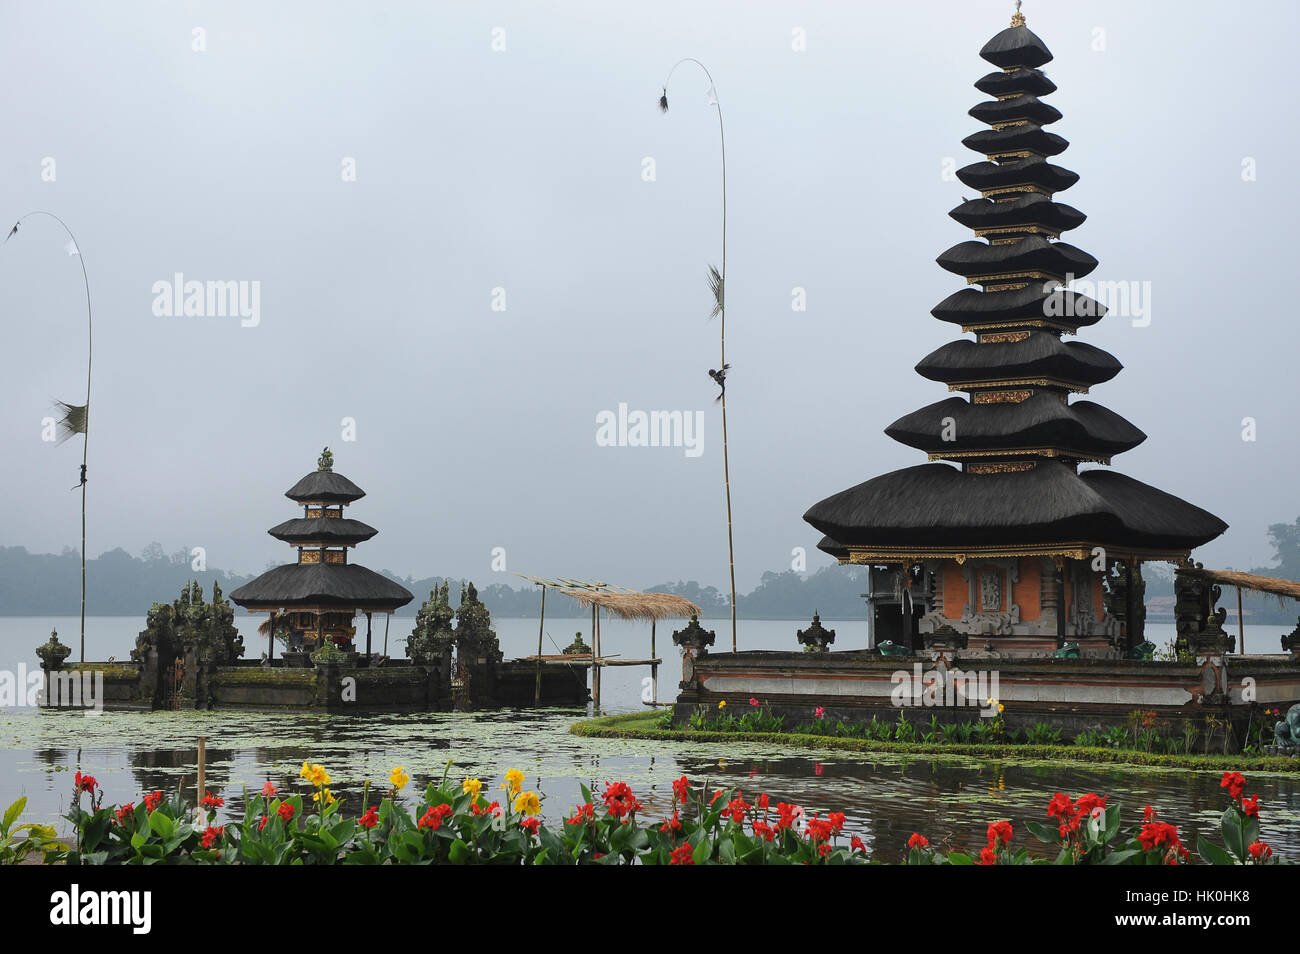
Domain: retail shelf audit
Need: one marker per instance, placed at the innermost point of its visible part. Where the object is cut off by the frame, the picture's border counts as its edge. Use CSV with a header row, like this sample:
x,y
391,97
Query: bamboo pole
x,y
203,758
541,627
722,314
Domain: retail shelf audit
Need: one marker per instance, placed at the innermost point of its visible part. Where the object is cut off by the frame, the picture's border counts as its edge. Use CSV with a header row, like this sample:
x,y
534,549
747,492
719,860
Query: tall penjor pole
x,y
718,285
75,418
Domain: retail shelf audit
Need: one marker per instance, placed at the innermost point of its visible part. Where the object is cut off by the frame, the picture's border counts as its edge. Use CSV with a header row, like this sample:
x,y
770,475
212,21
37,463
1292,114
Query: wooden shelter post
x,y
541,627
1059,579
1241,626
367,637
595,665
1130,604
654,667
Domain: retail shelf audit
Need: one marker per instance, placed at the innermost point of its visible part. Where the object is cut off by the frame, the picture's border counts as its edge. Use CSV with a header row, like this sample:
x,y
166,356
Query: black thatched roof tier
x,y
1082,430
978,260
324,486
1031,208
330,531
1033,171
996,142
333,586
1016,46
972,307
1001,82
1018,492
1026,106
938,506
1041,355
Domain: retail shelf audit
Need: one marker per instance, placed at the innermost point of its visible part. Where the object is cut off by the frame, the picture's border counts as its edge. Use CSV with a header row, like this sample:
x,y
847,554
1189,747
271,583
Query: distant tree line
x,y
119,584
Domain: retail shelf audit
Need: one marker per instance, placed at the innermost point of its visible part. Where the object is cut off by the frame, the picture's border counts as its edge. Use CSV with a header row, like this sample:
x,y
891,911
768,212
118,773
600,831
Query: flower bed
x,y
457,824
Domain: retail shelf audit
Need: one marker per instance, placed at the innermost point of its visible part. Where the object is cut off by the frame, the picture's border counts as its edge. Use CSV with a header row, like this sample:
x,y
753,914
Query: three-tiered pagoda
x,y
1008,537
321,593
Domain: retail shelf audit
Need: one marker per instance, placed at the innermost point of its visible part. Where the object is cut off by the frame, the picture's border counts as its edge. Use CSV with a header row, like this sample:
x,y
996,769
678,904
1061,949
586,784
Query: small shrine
x,y
315,599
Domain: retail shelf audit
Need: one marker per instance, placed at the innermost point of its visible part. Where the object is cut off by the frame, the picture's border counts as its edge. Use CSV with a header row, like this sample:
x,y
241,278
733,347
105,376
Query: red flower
x,y
433,818
269,790
582,813
837,821
285,811
531,824
1000,833
1251,806
764,831
1158,834
762,802
917,841
1260,851
682,855
151,801
262,823
85,783
823,850
820,829
988,856
787,815
211,801
1088,804
753,702
857,844
212,835
682,789
672,826
737,809
1235,783
125,812
1148,814
716,795
1060,807
370,819
620,802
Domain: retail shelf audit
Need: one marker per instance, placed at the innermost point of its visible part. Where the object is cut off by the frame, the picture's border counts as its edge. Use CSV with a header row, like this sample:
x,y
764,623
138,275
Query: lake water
x,y
886,798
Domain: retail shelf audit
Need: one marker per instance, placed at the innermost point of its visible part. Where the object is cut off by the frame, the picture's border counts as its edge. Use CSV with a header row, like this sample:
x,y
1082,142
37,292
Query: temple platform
x,y
1072,695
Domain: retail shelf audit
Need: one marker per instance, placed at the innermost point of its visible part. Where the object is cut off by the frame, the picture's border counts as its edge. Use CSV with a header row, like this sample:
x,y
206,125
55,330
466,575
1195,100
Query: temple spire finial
x,y
1017,18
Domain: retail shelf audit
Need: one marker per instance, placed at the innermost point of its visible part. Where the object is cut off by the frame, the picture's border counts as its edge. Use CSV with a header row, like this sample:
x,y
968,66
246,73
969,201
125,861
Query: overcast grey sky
x,y
522,169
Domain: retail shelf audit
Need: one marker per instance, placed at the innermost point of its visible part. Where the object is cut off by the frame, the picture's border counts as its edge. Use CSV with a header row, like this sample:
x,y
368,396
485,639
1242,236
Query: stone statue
x,y
1287,732
816,637
326,461
431,639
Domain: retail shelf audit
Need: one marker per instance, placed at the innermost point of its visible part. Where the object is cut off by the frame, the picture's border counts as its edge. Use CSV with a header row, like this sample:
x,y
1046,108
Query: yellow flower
x,y
528,803
399,778
1001,708
514,781
329,797
722,704
471,786
315,774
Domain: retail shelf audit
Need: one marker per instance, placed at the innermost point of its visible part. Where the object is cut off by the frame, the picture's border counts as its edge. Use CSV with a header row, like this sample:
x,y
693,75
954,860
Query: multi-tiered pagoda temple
x,y
1002,534
317,597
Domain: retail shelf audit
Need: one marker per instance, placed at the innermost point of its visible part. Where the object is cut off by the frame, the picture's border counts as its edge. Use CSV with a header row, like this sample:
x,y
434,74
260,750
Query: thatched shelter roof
x,y
1249,581
631,605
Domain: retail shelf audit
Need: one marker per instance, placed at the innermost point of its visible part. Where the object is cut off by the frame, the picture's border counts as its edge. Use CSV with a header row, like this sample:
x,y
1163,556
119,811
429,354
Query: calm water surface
x,y
885,797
